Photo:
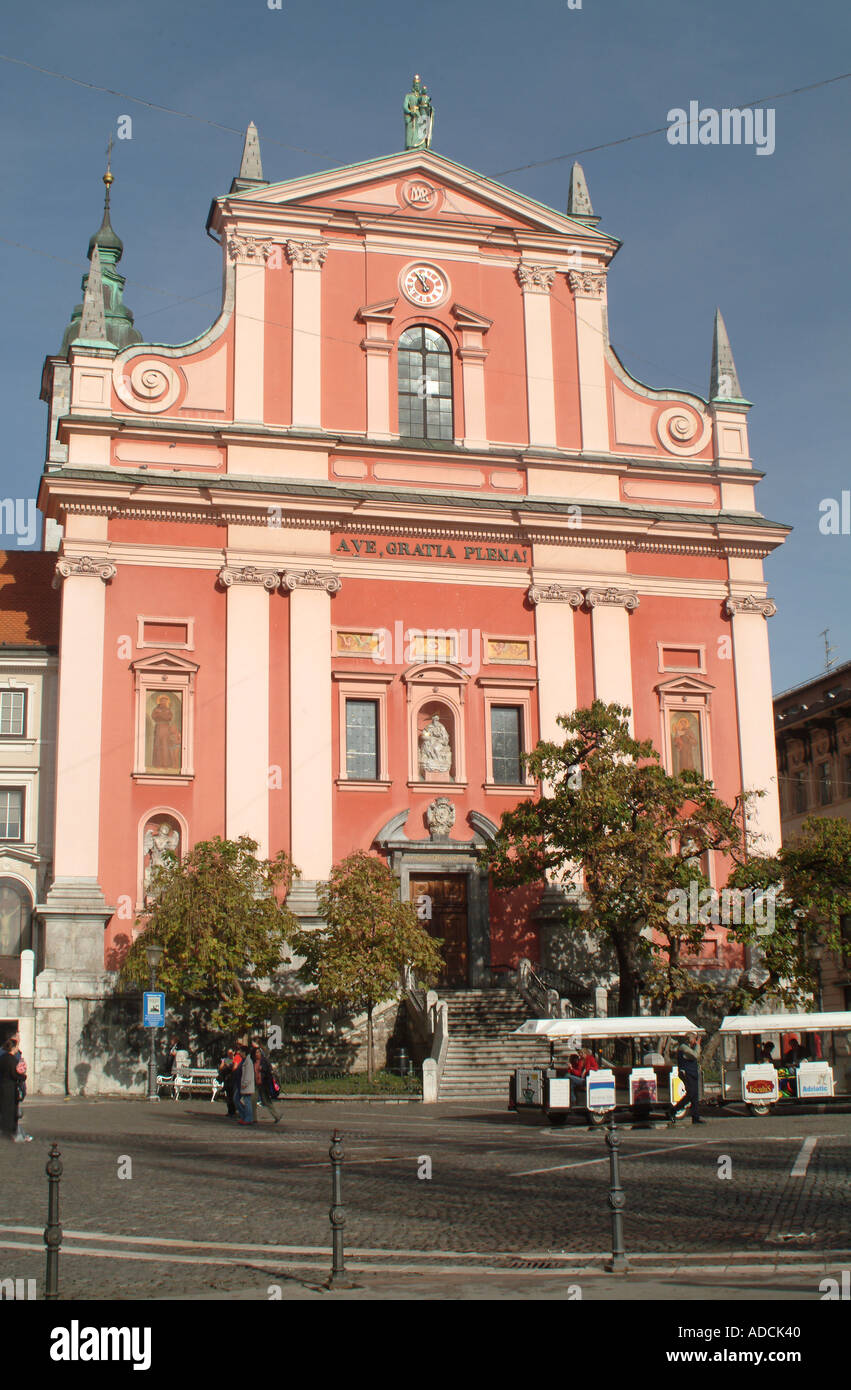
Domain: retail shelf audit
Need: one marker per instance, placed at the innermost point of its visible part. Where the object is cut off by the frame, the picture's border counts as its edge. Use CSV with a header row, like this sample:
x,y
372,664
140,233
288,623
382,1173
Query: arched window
x,y
15,929
425,385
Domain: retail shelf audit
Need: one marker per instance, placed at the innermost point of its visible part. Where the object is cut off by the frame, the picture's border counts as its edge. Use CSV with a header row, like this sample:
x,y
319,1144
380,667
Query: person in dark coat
x,y
226,1076
688,1065
8,1090
265,1079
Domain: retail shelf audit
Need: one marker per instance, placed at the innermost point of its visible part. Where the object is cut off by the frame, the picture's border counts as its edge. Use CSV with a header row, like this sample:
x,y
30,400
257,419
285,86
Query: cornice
x,y
224,499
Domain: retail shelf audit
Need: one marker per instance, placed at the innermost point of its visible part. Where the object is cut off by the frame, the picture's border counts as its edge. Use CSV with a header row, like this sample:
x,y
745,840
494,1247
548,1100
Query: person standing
x,y
264,1077
8,1090
227,1078
688,1066
247,1087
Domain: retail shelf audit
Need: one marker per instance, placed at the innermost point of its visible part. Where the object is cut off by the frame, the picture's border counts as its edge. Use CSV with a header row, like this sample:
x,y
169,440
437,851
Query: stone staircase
x,y
481,1054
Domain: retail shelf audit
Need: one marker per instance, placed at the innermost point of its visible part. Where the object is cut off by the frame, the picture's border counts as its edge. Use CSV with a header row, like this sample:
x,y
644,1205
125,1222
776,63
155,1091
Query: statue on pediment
x,y
419,116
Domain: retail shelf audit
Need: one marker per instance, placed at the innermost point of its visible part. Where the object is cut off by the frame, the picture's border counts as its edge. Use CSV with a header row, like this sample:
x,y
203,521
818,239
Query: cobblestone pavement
x,y
507,1205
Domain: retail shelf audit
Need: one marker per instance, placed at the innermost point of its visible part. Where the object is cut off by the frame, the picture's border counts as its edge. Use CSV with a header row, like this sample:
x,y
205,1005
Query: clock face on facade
x,y
424,285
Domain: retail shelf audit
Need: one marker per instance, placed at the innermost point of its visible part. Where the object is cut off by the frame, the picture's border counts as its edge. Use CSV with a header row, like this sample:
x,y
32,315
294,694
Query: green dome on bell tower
x,y
118,320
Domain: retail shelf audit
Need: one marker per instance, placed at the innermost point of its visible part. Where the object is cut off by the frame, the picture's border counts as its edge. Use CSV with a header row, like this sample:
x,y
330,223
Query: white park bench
x,y
192,1080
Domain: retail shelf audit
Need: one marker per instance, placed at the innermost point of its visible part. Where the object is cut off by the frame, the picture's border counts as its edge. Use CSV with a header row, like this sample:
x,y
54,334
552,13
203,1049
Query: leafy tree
x,y
370,939
219,916
608,806
811,882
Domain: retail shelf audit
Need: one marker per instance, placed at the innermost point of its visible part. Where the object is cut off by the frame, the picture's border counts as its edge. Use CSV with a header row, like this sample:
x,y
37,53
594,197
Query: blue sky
x,y
764,237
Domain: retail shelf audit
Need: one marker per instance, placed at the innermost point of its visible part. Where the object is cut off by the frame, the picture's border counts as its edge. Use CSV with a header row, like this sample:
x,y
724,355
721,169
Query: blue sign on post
x,y
153,1008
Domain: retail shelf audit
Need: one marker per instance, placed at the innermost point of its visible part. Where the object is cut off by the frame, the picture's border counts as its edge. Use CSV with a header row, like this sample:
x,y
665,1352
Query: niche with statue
x,y
436,740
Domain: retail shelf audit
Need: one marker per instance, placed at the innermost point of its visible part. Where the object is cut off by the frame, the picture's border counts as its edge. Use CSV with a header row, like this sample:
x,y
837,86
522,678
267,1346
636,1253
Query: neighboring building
x,y
813,729
29,643
330,568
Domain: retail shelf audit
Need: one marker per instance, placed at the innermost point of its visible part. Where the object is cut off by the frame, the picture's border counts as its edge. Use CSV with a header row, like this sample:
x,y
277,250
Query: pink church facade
x,y
328,569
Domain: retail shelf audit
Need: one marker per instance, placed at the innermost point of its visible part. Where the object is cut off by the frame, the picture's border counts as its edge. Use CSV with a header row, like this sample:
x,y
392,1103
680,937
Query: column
x,y
757,749
306,259
249,256
247,702
311,759
555,605
610,610
536,282
75,910
589,289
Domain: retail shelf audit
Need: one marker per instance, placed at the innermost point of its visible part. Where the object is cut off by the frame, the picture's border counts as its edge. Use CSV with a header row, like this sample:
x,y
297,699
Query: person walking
x,y
247,1087
8,1090
268,1089
21,1136
688,1066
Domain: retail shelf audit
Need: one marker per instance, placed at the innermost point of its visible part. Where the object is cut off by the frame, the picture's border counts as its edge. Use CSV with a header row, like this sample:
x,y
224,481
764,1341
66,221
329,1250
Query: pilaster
x,y
536,282
307,259
589,289
555,605
610,610
247,702
757,748
311,763
249,255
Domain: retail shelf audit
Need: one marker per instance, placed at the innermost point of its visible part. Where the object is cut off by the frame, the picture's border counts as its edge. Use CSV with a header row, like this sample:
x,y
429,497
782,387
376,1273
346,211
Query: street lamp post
x,y
154,953
817,952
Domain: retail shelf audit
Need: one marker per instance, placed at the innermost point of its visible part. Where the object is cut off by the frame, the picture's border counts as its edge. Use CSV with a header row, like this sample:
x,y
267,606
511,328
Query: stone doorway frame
x,y
441,855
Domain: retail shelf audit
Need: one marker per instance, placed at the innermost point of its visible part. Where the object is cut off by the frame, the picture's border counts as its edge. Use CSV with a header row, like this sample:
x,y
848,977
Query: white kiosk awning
x,y
786,1023
646,1026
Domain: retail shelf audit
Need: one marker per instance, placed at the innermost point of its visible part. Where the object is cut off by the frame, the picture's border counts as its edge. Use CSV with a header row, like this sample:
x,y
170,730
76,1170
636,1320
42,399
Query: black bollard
x,y
53,1230
339,1279
617,1202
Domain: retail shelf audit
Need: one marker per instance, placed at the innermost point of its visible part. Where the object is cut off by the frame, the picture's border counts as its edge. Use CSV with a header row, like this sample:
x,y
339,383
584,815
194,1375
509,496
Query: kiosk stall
x,y
623,1078
771,1059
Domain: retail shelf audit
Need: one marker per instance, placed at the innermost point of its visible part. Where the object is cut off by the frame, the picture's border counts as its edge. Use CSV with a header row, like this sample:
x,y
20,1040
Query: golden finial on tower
x,y
109,177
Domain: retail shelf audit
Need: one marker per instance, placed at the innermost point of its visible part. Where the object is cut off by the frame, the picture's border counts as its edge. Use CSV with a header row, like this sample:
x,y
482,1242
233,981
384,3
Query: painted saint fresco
x,y
163,730
686,749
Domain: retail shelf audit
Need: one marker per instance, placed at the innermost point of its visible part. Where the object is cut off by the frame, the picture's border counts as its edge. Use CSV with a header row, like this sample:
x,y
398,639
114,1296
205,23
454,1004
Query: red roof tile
x,y
29,605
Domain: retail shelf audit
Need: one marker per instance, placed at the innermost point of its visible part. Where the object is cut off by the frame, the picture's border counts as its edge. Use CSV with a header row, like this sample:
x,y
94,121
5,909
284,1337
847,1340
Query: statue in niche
x,y
157,844
435,753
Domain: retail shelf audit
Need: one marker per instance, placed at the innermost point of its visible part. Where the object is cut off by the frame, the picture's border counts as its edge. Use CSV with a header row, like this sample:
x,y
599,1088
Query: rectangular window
x,y
362,740
845,791
13,709
799,787
506,744
825,784
11,813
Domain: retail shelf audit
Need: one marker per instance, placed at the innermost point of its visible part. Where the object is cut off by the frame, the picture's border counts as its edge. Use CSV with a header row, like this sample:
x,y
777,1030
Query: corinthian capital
x,y
84,566
312,579
587,284
555,593
247,250
307,255
536,279
750,603
248,574
612,597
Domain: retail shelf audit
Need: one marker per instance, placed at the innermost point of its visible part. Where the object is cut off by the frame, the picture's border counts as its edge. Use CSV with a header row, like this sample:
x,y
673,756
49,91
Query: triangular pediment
x,y
398,185
164,663
685,685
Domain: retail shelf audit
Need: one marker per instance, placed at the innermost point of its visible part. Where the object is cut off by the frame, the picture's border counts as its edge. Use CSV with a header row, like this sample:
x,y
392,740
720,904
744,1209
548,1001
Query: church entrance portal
x,y
448,895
